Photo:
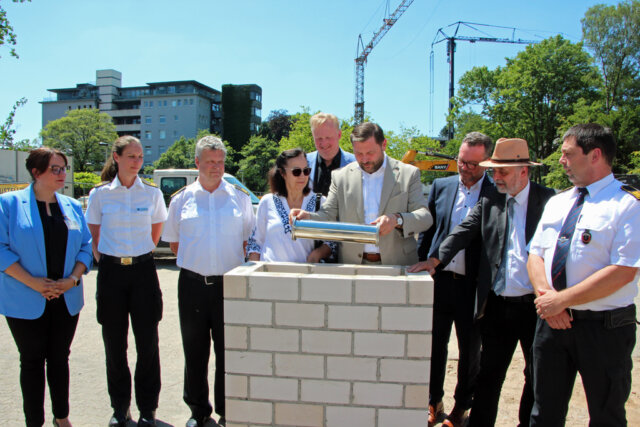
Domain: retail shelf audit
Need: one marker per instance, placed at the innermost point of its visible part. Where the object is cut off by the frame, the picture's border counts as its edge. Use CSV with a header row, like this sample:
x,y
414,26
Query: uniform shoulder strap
x,y
631,190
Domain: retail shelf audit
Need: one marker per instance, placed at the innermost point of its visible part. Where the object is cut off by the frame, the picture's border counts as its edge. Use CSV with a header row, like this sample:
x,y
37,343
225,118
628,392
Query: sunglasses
x,y
57,170
297,171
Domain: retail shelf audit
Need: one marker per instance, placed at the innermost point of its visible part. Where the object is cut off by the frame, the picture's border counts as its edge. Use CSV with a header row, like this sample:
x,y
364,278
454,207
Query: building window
x,y
175,117
191,101
163,134
173,103
162,119
147,119
147,150
147,134
146,103
150,103
162,149
175,133
256,111
179,102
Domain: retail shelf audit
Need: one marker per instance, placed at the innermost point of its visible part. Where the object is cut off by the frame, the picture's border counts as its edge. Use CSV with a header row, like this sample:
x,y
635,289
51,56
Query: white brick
x,y
352,368
323,288
420,291
235,337
353,317
272,339
273,286
247,312
341,416
326,342
407,318
242,362
234,285
390,290
236,385
287,267
301,315
375,344
239,411
325,391
416,396
382,270
404,371
419,345
377,394
402,417
340,269
299,415
302,366
270,388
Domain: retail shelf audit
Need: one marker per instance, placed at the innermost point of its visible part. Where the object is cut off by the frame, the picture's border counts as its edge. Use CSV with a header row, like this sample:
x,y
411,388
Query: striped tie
x,y
558,271
500,283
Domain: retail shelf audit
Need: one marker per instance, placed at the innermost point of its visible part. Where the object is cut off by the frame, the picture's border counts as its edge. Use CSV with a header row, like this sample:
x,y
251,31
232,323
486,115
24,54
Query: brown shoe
x,y
436,414
457,418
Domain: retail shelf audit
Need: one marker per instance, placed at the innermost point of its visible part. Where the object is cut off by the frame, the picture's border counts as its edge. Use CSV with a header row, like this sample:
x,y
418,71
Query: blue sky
x,y
301,53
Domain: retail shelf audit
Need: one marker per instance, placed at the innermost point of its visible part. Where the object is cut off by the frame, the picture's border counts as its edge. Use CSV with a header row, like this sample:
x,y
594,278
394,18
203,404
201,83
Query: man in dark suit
x,y
450,200
505,219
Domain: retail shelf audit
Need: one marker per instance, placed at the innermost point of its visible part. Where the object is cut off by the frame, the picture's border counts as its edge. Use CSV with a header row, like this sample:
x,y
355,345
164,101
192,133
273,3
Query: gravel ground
x,y
90,402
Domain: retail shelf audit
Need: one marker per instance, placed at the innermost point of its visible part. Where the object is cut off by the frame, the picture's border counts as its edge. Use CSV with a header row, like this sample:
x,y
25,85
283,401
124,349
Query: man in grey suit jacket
x,y
328,156
505,218
376,190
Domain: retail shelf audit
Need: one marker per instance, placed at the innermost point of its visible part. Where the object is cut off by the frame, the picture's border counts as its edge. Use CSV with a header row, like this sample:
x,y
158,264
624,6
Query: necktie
x,y
558,271
500,283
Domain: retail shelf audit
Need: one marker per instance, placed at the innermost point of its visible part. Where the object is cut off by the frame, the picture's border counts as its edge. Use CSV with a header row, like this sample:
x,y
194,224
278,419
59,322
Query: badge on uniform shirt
x,y
142,209
586,237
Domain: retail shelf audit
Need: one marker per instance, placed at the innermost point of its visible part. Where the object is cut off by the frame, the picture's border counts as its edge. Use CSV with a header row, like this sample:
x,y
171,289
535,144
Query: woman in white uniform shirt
x,y
271,237
125,216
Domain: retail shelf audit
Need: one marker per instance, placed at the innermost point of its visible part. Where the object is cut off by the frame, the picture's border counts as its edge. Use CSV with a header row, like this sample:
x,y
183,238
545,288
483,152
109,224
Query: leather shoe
x,y
222,422
199,422
457,418
436,414
118,420
146,422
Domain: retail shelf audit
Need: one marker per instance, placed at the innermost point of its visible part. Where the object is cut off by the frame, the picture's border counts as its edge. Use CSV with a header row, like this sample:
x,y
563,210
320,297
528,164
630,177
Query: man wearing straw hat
x,y
505,218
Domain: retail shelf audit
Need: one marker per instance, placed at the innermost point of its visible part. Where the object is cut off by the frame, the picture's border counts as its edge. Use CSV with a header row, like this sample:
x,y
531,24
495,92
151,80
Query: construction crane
x,y
364,51
441,35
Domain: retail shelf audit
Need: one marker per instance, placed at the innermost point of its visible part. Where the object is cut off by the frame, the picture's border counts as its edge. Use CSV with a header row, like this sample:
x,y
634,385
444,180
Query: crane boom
x,y
364,51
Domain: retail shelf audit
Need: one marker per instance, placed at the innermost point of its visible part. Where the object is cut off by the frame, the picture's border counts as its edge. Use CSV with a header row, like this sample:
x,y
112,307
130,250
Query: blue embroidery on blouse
x,y
252,245
284,215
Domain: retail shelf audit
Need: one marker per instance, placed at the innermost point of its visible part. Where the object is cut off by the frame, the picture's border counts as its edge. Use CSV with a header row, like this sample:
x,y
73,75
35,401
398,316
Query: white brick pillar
x,y
327,345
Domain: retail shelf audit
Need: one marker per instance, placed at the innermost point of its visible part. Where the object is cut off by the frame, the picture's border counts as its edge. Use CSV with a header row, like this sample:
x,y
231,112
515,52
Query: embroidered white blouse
x,y
271,236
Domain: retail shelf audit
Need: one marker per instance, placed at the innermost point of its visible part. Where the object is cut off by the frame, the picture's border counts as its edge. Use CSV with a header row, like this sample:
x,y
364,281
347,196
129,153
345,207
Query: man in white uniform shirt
x,y
583,264
208,226
375,189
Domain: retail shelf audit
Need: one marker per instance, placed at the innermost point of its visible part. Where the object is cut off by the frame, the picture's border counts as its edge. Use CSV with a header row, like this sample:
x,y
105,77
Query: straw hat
x,y
509,152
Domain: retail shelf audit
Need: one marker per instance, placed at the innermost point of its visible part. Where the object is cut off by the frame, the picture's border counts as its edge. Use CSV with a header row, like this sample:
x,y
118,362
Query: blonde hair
x,y
320,118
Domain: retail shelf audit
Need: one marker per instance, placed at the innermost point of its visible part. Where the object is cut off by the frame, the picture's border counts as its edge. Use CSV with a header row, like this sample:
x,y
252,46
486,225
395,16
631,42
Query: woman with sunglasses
x,y
271,236
45,247
125,216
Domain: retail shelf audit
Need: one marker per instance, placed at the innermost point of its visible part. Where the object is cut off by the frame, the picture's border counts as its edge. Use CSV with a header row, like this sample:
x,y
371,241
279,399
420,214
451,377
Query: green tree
x,y
277,125
6,129
530,96
79,134
83,182
7,36
256,158
555,177
301,136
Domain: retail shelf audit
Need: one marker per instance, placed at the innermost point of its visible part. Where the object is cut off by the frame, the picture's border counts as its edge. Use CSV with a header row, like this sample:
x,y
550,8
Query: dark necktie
x,y
558,271
500,283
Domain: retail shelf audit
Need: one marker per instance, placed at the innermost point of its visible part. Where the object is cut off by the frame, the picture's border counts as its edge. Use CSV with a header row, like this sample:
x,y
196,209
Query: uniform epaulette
x,y
241,189
149,183
178,192
631,190
101,184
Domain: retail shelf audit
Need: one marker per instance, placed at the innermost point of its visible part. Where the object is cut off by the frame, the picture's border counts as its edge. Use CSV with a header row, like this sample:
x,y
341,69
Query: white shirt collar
x,y
595,187
522,196
116,182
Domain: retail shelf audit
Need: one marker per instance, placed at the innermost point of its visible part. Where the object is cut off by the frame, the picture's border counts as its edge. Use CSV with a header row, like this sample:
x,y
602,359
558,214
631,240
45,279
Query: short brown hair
x,y
474,139
39,159
366,130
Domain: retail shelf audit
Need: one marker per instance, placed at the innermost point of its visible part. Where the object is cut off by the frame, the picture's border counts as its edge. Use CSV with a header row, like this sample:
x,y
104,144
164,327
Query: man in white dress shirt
x,y
209,223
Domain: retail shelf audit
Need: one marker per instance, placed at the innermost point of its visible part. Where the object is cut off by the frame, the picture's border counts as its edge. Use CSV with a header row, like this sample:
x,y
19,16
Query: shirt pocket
x,y
111,214
232,223
191,223
593,234
141,215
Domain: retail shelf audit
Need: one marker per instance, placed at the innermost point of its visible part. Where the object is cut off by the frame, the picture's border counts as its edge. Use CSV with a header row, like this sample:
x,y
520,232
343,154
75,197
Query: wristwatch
x,y
76,281
399,220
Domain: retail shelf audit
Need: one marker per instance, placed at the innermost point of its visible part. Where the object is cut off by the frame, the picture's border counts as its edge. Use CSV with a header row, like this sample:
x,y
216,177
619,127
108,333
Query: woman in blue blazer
x,y
45,247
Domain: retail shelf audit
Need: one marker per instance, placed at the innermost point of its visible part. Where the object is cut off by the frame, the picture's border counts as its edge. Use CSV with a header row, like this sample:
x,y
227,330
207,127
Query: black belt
x,y
452,274
612,314
529,298
127,260
207,280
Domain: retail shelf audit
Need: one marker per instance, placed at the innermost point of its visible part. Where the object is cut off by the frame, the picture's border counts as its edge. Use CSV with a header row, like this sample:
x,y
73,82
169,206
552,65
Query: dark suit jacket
x,y
487,221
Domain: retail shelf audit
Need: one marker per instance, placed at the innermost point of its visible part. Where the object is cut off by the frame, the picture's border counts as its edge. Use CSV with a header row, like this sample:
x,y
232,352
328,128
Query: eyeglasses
x,y
297,171
468,165
57,170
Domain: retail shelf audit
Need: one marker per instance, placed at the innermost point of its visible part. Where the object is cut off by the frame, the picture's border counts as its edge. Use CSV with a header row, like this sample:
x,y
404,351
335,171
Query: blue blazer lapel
x,y
33,215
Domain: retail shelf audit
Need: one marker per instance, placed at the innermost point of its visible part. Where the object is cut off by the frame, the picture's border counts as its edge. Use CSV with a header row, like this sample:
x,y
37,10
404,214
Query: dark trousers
x,y
506,323
47,338
123,292
453,304
602,355
202,320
